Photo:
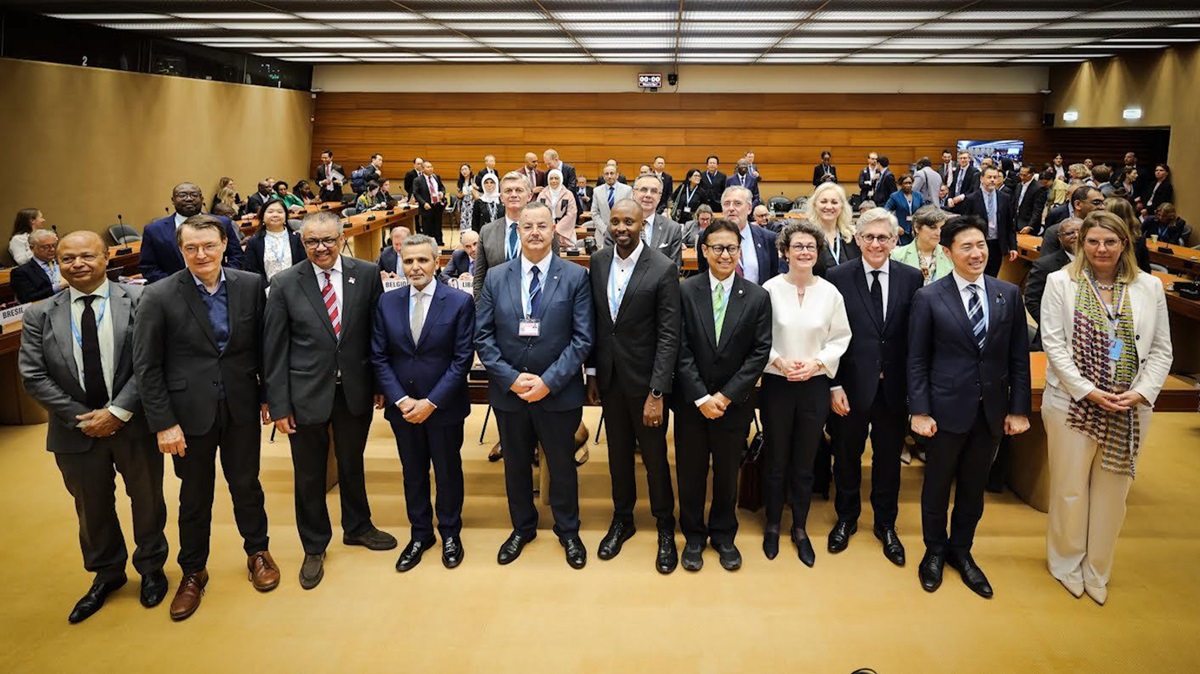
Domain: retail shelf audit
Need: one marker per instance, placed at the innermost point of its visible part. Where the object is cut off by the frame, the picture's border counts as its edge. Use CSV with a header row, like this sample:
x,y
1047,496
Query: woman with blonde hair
x,y
1108,348
233,198
1124,210
829,209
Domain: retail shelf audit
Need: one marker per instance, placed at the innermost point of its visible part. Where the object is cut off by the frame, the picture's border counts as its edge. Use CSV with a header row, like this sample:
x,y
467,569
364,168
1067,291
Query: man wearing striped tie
x,y
317,331
968,385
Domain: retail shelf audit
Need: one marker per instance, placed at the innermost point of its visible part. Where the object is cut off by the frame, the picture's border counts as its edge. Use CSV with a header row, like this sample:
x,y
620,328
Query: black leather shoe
x,y
771,544
91,602
411,556
668,557
893,549
372,539
971,574
839,536
618,532
693,556
731,557
154,588
452,551
512,547
930,571
576,553
804,549
312,570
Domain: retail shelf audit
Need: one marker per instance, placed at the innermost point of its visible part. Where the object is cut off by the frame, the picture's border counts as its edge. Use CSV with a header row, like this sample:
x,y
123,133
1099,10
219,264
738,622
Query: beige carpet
x,y
852,610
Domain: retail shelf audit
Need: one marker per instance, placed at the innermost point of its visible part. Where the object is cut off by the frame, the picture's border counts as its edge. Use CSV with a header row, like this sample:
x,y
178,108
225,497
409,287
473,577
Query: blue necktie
x,y
975,313
535,292
611,195
513,241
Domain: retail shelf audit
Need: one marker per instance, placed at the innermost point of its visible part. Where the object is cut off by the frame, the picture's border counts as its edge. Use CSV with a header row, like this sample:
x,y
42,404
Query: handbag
x,y
750,479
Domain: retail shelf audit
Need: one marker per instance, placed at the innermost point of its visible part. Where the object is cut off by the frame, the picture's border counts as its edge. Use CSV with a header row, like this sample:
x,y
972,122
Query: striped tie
x,y
535,292
329,296
975,314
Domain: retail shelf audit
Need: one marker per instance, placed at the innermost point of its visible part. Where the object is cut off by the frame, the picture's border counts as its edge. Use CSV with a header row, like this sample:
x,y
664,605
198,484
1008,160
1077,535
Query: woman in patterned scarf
x,y
1108,346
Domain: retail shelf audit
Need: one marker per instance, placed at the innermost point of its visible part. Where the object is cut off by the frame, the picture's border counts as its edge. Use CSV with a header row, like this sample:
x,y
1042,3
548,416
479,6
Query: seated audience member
x,y
1035,284
584,191
462,262
1161,192
274,247
27,220
688,198
762,216
1127,212
225,210
160,256
367,201
265,193
925,251
232,197
291,202
389,260
40,277
226,197
1166,227
385,199
695,227
303,190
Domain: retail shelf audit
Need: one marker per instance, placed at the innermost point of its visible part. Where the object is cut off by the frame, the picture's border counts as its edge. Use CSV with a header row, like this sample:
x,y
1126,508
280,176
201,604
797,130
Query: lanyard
x,y
690,193
99,320
1113,313
835,247
615,294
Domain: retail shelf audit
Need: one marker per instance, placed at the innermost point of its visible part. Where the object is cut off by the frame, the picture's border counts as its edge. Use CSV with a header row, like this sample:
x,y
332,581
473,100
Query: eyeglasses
x,y
876,238
208,248
803,248
1068,235
68,260
1103,243
722,251
327,242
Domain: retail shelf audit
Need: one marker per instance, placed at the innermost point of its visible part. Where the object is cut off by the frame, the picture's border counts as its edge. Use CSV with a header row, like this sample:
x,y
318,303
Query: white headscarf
x,y
492,197
553,193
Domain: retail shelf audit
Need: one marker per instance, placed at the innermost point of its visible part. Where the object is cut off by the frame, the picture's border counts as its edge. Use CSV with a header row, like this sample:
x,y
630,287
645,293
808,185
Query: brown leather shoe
x,y
187,596
263,572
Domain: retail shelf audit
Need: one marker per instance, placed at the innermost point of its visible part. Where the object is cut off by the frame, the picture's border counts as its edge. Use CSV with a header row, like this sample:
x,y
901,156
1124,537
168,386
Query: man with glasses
x,y
41,276
534,329
1035,284
658,231
160,254
758,259
317,332
1084,200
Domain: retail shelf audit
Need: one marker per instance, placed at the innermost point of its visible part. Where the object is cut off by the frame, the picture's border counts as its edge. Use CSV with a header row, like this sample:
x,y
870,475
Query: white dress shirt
x,y
102,308
965,296
277,252
817,330
883,281
619,273
727,290
179,220
527,276
647,230
749,256
425,297
336,279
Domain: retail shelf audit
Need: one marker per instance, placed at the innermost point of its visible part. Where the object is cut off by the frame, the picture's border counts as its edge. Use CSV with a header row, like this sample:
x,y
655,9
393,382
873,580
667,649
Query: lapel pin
x,y
740,291
351,279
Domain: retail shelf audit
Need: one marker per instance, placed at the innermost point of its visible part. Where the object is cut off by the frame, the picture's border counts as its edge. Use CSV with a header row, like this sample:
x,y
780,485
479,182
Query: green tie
x,y
719,308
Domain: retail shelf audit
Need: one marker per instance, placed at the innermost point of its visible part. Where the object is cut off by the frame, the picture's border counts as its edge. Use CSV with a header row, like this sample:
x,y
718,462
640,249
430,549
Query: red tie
x,y
330,297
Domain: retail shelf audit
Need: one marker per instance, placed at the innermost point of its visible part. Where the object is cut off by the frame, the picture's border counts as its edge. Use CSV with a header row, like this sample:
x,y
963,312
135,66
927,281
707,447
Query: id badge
x,y
687,209
1116,349
529,327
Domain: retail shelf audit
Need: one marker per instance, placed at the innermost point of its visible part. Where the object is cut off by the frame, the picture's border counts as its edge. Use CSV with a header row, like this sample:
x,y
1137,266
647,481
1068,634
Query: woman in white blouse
x,y
27,220
1108,350
809,334
273,247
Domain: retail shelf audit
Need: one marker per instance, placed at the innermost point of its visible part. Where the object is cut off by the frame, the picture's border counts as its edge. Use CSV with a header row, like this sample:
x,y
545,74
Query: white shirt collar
x,y
728,283
428,290
543,266
179,220
962,283
633,257
867,268
102,291
1070,255
337,267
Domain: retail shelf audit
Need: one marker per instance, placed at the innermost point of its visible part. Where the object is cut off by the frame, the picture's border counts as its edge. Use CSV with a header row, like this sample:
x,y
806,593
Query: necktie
x,y
719,308
975,314
93,369
417,320
958,182
611,197
514,242
471,268
990,198
329,296
877,294
647,232
535,291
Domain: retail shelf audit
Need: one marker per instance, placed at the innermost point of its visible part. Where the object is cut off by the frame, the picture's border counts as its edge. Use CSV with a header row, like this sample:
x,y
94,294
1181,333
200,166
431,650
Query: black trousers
x,y
793,416
995,259
886,426
520,433
697,442
823,461
623,417
197,473
962,458
310,462
90,477
431,221
421,445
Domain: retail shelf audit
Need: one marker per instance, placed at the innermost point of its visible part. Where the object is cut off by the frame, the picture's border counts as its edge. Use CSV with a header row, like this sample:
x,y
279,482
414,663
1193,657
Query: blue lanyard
x,y
690,193
99,320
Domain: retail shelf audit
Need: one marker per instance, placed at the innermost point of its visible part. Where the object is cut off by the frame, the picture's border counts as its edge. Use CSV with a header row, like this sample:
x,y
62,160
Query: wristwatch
x,y
655,393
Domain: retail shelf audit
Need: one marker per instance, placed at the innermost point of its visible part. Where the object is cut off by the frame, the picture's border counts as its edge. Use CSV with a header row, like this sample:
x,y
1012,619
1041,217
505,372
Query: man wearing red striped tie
x,y
317,331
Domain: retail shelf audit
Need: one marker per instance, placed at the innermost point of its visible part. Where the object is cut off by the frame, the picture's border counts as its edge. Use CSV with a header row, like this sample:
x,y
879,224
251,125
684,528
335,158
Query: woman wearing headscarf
x,y
487,207
562,205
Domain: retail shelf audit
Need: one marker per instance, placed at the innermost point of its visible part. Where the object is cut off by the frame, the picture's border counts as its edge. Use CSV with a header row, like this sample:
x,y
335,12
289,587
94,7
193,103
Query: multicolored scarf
x,y
1095,333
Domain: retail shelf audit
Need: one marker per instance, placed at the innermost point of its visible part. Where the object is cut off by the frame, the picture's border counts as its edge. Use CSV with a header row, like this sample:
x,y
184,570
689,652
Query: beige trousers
x,y
1087,503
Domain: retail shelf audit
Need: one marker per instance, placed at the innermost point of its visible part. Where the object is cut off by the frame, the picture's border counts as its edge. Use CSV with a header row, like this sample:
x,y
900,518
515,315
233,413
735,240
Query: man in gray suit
x,y
317,332
197,352
499,240
927,182
603,198
658,231
79,366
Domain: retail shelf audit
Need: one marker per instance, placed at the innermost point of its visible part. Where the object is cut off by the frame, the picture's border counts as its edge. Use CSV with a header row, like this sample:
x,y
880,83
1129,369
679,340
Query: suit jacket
x,y
715,185
493,252
160,256
620,179
885,188
583,197
30,282
389,261
334,192
949,378
1035,286
1058,214
819,174
643,343
460,263
875,348
769,263
435,368
668,185
556,354
600,205
970,182
685,208
1006,232
748,181
867,185
179,368
51,375
667,238
302,356
539,179
899,205
1029,211
846,252
483,213
1156,196
420,190
256,248
255,203
928,183
411,176
483,174
731,367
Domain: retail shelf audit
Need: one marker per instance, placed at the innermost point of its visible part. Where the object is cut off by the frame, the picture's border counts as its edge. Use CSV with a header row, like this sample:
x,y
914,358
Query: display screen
x,y
650,80
996,149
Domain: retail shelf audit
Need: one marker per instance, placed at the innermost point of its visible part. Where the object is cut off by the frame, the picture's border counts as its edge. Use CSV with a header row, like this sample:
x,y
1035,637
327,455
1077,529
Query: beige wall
x,y
84,144
1163,84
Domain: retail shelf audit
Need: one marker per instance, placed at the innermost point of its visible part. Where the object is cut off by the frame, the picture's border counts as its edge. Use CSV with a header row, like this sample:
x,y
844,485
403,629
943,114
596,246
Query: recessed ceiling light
x,y
230,41
928,43
163,26
783,59
555,59
294,54
900,15
890,56
1071,116
472,59
297,27
732,28
1131,113
751,42
1004,15
401,27
747,16
631,17
643,42
332,41
615,28
358,16
531,42
829,42
235,16
504,28
1186,25
321,59
430,41
415,58
485,16
805,55
857,28
1098,25
974,27
1136,40
966,60
1147,14
129,16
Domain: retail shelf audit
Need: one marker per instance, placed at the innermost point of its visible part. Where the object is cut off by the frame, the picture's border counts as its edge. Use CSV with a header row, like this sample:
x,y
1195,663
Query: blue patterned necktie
x,y
975,314
535,291
513,241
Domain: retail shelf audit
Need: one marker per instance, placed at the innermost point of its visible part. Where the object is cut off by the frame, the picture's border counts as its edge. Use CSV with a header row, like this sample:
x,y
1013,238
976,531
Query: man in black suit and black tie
x,y
713,181
995,208
869,392
330,178
868,178
197,351
635,296
964,180
724,346
317,331
968,385
430,193
1029,200
79,366
40,277
412,175
825,172
489,169
886,185
946,170
668,183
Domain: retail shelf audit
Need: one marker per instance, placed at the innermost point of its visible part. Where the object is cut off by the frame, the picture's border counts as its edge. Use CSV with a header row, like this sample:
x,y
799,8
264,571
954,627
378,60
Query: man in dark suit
x,y
635,296
422,351
160,255
743,178
825,172
462,262
1047,264
713,181
668,183
389,258
569,180
534,330
886,184
1029,200
1084,200
946,170
197,351
536,177
658,231
412,175
964,180
40,277
96,425
430,193
968,385
266,192
500,240
317,331
489,169
725,342
869,392
759,257
994,208
330,178
868,178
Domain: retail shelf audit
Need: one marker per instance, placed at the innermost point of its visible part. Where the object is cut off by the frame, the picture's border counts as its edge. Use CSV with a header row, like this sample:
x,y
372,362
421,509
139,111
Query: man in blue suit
x,y
968,385
533,333
160,256
744,178
759,259
422,350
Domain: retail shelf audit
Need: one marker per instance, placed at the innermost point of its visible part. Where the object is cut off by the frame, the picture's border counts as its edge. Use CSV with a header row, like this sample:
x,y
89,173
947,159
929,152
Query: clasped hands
x,y
530,387
797,370
99,423
715,406
1116,402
